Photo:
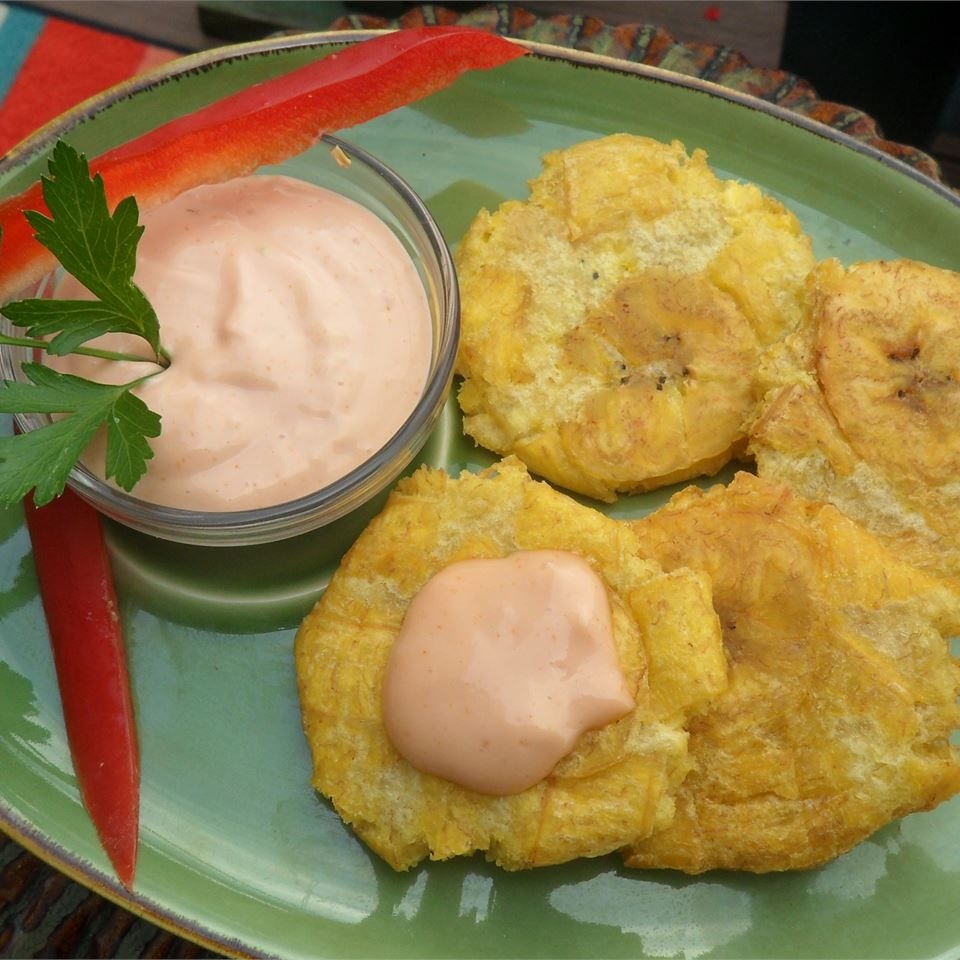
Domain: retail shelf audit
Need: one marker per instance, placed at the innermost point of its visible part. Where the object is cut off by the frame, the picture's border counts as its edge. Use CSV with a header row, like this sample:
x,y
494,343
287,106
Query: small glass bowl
x,y
354,173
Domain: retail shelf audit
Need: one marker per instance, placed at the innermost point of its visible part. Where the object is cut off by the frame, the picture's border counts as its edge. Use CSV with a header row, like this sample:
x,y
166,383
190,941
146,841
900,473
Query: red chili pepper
x,y
263,124
76,588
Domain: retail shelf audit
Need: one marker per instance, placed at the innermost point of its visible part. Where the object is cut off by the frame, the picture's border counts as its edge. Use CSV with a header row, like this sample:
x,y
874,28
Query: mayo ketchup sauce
x,y
501,665
300,337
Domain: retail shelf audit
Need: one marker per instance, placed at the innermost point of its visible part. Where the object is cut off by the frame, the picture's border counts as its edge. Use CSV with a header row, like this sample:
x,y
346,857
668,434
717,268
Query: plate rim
x,y
30,147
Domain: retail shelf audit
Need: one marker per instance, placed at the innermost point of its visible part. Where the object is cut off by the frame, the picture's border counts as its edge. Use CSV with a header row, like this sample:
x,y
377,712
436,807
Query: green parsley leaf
x,y
76,320
40,460
99,250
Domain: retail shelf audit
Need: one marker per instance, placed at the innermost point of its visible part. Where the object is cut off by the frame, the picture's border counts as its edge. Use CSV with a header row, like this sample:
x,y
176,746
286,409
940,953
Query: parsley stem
x,y
163,360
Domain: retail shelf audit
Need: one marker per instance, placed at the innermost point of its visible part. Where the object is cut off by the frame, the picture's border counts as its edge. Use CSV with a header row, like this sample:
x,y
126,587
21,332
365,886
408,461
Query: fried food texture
x,y
842,695
862,406
618,783
613,321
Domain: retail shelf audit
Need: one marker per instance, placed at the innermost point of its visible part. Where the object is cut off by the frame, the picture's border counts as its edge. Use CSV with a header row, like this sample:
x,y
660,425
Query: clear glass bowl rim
x,y
335,500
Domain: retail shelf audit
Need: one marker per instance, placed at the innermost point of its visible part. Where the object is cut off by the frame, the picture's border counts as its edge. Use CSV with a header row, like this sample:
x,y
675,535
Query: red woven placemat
x,y
57,64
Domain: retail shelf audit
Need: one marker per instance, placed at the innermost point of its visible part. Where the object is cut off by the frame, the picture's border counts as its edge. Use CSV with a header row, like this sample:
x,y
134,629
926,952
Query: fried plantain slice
x,y
862,408
616,785
612,322
842,695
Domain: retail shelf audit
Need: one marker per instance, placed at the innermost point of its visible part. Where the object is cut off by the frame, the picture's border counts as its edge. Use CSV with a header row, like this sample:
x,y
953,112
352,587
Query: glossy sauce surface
x,y
500,667
300,335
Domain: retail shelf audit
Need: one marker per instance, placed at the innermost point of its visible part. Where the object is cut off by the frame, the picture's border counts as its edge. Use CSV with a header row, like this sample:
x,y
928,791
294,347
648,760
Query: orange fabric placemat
x,y
50,65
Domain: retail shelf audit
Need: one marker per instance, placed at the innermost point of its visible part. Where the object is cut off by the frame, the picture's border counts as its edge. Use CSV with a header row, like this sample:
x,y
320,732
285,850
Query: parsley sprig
x,y
99,249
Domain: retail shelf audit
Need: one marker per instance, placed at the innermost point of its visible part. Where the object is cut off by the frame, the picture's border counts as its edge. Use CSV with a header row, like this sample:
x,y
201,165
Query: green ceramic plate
x,y
237,851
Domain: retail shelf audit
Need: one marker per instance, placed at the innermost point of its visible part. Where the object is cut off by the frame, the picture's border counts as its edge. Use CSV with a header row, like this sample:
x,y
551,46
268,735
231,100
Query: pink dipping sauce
x,y
500,667
300,334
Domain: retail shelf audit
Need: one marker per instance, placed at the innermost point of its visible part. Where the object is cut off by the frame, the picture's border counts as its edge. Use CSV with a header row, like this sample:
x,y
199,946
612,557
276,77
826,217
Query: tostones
x,y
613,321
862,406
842,695
617,784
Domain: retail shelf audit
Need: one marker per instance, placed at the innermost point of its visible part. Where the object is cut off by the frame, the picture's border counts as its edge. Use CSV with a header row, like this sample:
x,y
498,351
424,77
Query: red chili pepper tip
x,y
80,604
